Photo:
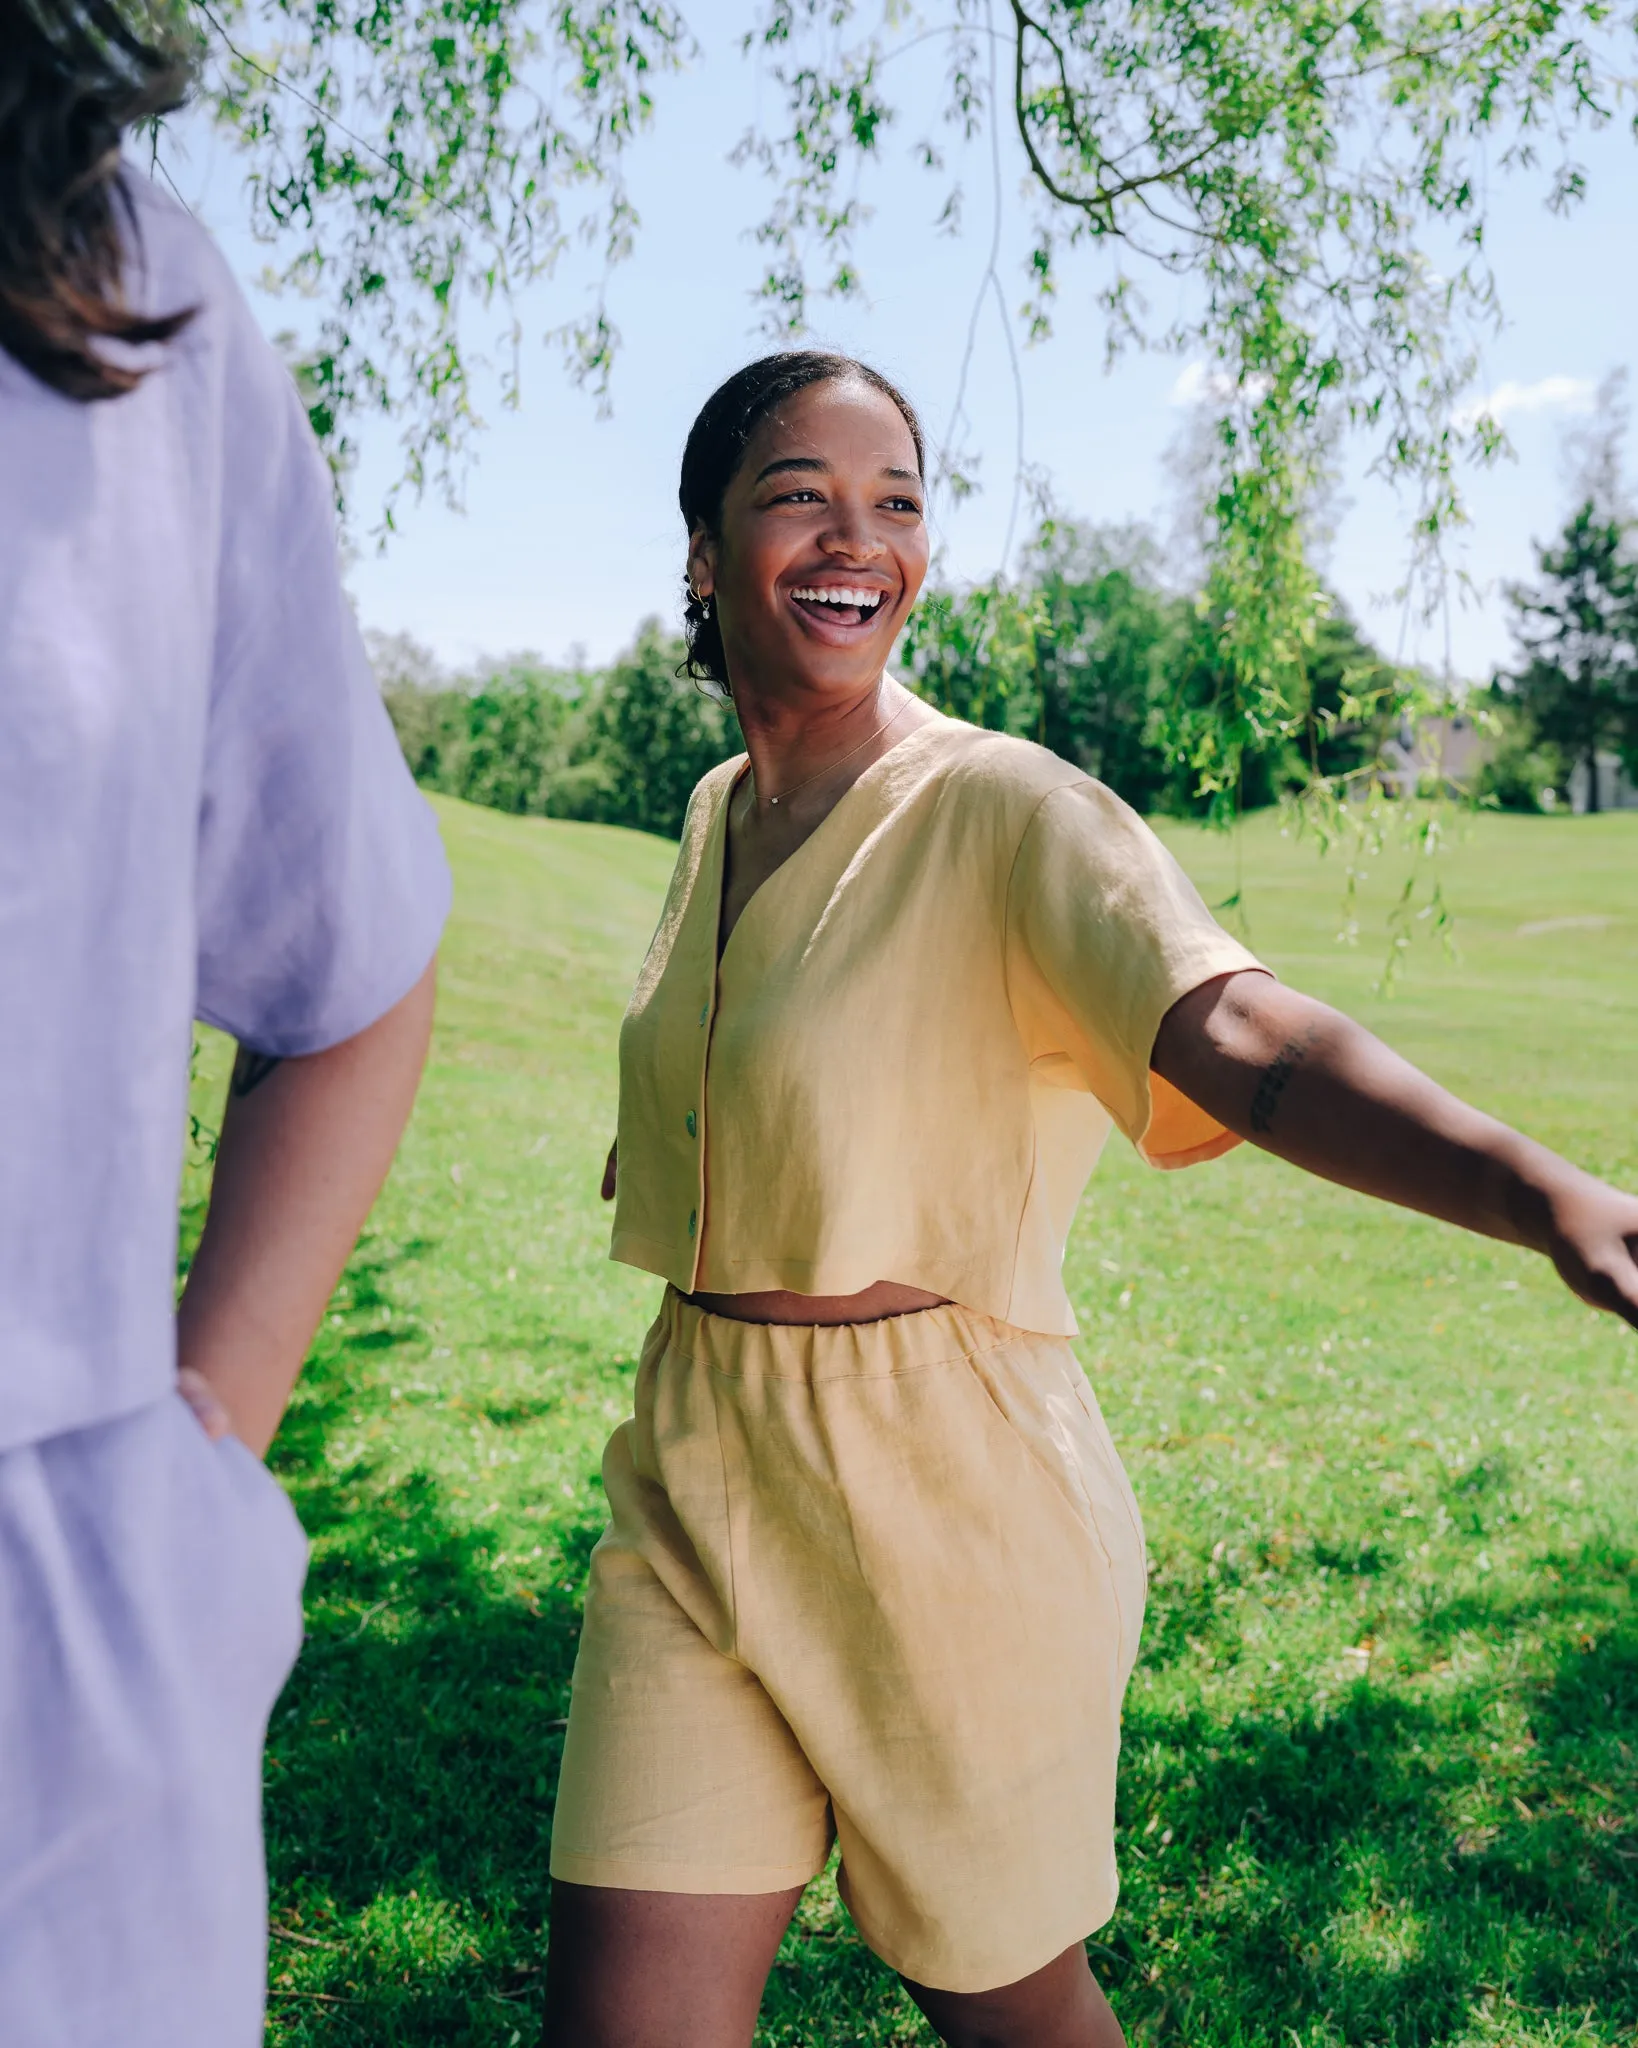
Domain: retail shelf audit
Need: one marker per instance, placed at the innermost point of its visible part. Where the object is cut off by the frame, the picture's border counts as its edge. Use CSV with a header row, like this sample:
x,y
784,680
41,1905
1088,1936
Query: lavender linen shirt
x,y
203,812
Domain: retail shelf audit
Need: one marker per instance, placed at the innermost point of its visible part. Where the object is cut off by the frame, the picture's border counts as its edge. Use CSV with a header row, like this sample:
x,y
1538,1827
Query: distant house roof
x,y
1451,749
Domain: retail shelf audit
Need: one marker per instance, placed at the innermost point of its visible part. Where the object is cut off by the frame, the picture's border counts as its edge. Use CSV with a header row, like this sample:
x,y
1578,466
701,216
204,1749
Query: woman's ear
x,y
702,562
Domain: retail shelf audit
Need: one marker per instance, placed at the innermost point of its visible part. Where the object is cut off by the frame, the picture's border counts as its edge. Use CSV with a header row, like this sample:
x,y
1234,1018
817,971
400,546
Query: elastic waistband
x,y
824,1351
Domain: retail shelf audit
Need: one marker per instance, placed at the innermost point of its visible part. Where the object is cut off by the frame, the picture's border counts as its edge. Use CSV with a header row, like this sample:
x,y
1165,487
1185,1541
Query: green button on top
x,y
693,1219
691,1122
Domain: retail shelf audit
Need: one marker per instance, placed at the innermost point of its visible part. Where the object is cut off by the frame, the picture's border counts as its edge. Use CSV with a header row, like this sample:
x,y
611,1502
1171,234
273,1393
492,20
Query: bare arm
x,y
1313,1087
306,1144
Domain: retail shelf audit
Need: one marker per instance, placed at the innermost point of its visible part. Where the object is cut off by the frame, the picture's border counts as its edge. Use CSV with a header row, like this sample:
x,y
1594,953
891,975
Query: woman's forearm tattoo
x,y
251,1069
1271,1083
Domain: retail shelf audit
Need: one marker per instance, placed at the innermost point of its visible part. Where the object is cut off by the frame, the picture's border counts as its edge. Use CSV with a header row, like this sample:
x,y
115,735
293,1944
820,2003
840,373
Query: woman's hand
x,y
611,1171
1313,1087
201,1397
1591,1236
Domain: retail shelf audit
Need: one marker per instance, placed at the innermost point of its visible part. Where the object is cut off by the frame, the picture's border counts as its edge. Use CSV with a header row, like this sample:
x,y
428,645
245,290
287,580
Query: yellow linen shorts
x,y
883,1583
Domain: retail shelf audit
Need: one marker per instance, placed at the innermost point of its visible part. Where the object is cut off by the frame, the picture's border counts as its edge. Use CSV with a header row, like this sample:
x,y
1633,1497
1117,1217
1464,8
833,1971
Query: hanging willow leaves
x,y
1316,172
411,158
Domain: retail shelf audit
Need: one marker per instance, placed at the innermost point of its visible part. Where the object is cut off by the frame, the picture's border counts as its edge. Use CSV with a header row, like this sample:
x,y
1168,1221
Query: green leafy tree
x,y
1520,771
1111,656
1349,697
623,747
412,161
1092,655
520,732
513,735
973,653
1577,628
432,730
429,714
653,735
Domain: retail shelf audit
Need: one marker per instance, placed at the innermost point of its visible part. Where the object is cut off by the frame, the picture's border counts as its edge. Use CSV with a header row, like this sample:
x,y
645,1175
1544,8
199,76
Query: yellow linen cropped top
x,y
907,1061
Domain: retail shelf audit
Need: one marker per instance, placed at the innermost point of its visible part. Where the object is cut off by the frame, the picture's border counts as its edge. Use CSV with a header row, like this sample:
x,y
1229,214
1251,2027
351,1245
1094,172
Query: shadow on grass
x,y
413,1761
1402,1868
413,1757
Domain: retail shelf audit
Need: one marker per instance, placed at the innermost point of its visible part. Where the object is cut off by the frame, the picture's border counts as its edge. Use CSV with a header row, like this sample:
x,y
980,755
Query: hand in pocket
x,y
206,1404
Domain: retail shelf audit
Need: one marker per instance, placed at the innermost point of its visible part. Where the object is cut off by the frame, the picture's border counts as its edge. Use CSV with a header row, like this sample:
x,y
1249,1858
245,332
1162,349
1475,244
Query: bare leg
x,y
659,1969
1058,2007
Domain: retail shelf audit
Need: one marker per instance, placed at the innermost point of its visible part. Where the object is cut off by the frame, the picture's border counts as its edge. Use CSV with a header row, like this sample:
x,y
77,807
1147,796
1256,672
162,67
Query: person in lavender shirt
x,y
203,813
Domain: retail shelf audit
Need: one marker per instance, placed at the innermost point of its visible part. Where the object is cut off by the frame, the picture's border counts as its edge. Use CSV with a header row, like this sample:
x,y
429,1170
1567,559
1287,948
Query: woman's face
x,y
822,547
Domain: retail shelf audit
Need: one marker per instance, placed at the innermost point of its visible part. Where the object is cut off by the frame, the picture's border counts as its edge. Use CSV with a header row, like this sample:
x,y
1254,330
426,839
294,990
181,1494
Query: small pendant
x,y
773,800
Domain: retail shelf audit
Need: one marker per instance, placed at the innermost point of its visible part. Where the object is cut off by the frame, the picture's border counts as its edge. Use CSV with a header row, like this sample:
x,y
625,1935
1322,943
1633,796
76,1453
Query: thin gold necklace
x,y
785,794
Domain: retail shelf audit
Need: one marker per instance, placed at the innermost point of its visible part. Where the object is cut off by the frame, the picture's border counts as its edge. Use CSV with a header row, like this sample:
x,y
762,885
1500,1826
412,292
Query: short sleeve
x,y
1104,933
322,885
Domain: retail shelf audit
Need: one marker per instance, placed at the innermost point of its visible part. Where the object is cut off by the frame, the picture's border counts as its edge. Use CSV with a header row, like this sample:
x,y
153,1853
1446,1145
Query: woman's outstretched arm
x,y
1310,1085
306,1144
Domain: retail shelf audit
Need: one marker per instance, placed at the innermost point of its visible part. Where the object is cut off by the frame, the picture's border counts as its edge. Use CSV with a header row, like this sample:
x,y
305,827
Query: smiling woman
x,y
873,1573
781,402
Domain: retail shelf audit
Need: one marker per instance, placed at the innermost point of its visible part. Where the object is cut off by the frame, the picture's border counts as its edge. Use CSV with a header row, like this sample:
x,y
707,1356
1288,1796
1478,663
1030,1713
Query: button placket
x,y
709,881
691,1123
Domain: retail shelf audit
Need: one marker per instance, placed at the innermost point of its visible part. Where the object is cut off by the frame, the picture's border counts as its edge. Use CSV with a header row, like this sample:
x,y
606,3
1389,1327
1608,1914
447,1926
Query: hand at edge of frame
x,y
1590,1232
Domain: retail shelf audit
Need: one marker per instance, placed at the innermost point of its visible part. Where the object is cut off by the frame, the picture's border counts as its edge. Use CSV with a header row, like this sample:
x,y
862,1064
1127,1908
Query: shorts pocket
x,y
253,1581
1060,1431
1111,1463
284,1528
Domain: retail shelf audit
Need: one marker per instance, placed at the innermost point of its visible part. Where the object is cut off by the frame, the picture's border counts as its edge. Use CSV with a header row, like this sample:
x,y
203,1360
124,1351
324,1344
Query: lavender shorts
x,y
150,1611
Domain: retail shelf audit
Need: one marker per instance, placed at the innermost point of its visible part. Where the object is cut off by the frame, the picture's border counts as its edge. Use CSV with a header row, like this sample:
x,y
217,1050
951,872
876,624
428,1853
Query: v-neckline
x,y
720,879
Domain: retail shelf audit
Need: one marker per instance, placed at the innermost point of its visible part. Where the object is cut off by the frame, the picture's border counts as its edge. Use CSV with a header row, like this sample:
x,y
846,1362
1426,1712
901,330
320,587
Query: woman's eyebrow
x,y
815,463
789,462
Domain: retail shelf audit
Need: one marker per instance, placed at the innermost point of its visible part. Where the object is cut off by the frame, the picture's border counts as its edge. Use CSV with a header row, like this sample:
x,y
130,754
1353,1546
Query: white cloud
x,y
1198,384
1547,394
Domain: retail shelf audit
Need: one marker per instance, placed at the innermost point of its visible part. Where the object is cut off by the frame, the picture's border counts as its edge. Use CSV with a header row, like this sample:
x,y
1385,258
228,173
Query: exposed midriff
x,y
871,1304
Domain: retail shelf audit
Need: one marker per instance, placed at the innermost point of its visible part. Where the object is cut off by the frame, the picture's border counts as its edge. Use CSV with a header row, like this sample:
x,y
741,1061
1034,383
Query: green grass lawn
x,y
1380,1777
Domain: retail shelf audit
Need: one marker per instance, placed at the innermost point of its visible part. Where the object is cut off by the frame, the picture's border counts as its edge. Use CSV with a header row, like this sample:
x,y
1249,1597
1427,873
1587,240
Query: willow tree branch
x,y
1099,204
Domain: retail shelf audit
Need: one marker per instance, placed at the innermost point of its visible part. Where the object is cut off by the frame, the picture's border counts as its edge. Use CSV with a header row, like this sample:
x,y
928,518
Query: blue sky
x,y
569,533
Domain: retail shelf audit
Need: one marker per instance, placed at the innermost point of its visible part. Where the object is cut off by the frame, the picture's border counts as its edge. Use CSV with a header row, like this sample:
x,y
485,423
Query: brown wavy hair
x,y
74,76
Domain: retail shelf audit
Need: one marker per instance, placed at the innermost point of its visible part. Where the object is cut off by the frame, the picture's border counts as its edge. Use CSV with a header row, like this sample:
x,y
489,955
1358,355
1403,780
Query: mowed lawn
x,y
1380,1776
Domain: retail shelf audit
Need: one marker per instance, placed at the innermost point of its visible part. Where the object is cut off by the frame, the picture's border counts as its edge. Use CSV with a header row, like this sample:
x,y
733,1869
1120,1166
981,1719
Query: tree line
x,y
1574,695
1086,651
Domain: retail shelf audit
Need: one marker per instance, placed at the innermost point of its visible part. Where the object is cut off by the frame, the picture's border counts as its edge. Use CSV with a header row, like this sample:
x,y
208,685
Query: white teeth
x,y
838,594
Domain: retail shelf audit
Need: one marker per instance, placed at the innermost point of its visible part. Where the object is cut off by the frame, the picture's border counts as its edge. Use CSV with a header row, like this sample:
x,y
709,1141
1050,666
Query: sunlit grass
x,y
1380,1781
